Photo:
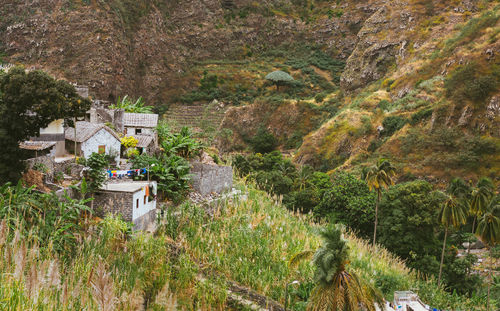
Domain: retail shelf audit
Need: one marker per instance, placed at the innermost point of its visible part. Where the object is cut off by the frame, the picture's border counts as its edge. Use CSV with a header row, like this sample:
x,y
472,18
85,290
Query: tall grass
x,y
252,238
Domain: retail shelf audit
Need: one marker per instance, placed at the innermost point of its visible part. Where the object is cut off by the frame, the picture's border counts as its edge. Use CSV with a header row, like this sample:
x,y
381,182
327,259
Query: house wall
x,y
115,203
103,137
139,207
144,131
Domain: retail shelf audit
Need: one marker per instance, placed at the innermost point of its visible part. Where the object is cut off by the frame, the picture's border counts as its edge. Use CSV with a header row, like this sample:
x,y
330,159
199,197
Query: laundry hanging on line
x,y
126,173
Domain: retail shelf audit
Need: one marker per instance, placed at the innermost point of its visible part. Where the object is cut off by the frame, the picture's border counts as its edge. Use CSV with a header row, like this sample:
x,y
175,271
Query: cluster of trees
x,y
170,167
411,219
30,101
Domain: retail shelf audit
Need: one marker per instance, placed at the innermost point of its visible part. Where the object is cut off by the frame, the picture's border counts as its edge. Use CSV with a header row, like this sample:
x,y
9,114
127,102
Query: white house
x,y
134,201
92,138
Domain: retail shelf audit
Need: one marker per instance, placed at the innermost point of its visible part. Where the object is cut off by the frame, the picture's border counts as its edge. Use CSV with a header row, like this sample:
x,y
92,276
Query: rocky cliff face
x,y
145,47
400,59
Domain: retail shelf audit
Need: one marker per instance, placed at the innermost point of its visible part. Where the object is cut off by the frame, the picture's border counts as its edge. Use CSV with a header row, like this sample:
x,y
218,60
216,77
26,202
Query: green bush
x,y
420,115
263,141
319,97
472,82
391,124
384,105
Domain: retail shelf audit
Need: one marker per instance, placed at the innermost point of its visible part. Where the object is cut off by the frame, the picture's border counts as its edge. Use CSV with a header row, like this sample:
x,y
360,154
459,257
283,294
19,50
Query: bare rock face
x,y
381,40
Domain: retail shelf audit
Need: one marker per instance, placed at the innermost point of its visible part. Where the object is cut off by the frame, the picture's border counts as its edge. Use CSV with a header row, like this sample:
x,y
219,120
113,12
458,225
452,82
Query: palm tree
x,y
453,213
337,288
379,176
481,194
488,231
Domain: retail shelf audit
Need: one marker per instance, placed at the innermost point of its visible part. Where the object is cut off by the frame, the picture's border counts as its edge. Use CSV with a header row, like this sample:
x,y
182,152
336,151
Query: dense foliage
x,y
170,167
29,101
129,105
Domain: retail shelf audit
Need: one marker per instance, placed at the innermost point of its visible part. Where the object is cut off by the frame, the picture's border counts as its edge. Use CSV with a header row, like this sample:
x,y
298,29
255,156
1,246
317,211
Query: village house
x,y
134,201
49,142
91,138
138,125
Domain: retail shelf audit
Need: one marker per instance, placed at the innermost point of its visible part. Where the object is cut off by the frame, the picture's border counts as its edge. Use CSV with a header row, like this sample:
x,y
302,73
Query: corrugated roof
x,y
85,130
140,119
36,145
143,140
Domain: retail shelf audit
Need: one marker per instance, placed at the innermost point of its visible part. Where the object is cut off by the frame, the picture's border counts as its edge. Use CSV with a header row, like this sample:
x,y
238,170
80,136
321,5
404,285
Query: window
x,y
102,149
138,131
145,200
137,204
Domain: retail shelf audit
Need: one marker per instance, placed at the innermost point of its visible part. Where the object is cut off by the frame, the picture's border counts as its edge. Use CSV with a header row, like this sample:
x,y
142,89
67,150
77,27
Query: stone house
x,y
140,123
92,138
135,201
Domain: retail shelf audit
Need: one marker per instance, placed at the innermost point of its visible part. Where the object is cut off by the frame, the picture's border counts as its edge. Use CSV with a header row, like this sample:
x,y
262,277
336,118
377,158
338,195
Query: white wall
x,y
102,137
142,209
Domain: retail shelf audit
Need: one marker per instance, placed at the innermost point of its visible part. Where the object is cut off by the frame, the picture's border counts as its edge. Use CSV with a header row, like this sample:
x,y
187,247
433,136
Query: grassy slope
x,y
251,241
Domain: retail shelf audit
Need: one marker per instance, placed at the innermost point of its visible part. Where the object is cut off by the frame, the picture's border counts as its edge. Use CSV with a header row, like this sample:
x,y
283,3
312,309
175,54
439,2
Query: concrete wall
x,y
142,204
103,137
146,221
209,178
116,203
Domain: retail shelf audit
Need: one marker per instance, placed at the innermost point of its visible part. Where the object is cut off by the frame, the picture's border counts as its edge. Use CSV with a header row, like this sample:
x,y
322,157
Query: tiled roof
x,y
85,130
36,145
143,140
140,119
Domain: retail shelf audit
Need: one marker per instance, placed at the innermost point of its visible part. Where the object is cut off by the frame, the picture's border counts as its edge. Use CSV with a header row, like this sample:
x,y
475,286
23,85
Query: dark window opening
x,y
138,131
137,204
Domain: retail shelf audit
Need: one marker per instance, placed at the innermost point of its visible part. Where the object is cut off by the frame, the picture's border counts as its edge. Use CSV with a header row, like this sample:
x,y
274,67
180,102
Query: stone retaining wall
x,y
116,203
208,178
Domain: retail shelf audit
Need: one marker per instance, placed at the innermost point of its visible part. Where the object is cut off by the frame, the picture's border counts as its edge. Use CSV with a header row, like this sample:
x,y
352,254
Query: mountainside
x,y
416,81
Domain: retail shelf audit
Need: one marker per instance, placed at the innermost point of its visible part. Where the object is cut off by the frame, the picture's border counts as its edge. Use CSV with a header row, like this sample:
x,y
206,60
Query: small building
x,y
135,201
51,137
145,143
92,138
140,123
35,149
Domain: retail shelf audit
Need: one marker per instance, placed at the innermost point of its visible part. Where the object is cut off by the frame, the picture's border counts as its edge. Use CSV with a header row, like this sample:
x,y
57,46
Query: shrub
x,y
263,141
384,105
319,97
420,115
391,124
472,82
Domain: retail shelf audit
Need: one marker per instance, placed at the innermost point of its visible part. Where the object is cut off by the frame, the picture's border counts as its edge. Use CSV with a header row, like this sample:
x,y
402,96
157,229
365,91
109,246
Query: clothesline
x,y
128,173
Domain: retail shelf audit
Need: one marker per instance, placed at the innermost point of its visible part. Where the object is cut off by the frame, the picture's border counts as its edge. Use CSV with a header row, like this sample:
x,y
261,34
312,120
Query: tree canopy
x,y
30,101
279,78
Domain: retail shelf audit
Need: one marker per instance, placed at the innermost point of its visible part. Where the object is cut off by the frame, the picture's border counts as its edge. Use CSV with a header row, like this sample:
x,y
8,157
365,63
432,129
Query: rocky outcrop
x,y
381,39
144,49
